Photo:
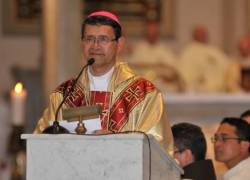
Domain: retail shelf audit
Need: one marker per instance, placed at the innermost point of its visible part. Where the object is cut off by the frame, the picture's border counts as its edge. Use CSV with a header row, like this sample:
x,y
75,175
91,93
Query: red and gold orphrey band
x,y
127,100
123,104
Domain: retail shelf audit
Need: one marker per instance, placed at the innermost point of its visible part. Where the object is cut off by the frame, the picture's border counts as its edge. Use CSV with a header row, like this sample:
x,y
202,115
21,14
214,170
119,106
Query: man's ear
x,y
188,156
121,43
81,44
245,145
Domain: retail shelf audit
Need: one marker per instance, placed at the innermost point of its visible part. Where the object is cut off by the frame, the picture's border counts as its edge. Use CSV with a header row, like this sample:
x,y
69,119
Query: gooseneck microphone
x,y
56,128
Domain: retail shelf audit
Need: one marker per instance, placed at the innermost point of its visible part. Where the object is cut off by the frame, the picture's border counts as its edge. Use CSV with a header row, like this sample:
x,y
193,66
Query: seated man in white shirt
x,y
232,146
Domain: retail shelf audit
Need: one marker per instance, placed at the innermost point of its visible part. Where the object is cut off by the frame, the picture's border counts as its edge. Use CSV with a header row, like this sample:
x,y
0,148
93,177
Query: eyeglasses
x,y
101,40
225,139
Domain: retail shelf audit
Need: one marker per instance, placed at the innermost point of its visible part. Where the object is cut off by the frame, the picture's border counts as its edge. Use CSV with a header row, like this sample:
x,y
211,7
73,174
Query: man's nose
x,y
217,143
96,42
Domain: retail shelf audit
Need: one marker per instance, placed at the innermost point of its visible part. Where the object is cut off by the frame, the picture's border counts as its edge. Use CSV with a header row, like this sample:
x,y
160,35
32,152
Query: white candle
x,y
18,104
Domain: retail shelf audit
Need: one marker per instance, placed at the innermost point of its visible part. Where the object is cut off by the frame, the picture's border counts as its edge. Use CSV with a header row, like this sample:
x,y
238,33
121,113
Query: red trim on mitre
x,y
127,101
105,14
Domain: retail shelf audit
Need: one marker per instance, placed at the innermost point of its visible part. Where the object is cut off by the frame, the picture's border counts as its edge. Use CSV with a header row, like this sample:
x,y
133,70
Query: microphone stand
x,y
56,128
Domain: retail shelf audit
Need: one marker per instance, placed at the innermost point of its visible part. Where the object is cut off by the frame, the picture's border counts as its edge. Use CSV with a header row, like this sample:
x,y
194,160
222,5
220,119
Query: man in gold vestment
x,y
129,102
238,74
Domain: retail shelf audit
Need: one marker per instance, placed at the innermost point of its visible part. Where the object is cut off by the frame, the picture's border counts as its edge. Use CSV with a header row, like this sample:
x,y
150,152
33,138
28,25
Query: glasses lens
x,y
102,40
224,139
89,39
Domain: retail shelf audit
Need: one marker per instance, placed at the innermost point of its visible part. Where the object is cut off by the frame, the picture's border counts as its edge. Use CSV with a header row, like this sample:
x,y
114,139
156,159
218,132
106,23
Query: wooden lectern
x,y
92,157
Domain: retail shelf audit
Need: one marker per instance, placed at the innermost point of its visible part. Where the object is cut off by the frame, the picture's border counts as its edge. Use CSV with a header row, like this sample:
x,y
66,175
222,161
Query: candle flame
x,y
18,88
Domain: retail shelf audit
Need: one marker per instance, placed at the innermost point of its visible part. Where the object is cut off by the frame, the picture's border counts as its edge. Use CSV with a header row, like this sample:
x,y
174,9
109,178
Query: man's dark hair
x,y
102,20
190,136
241,126
245,114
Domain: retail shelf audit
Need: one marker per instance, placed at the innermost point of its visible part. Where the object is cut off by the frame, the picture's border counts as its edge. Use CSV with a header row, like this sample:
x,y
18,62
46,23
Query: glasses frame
x,y
101,40
225,139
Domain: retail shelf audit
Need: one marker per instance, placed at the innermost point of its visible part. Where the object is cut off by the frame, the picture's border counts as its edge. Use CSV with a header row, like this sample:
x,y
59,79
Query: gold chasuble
x,y
130,104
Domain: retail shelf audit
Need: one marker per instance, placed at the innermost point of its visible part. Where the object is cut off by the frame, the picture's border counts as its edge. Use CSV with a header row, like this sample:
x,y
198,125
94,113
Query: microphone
x,y
56,128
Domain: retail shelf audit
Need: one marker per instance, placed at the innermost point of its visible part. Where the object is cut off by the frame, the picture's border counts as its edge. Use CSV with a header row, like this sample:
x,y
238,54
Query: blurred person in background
x,y
238,75
203,66
153,58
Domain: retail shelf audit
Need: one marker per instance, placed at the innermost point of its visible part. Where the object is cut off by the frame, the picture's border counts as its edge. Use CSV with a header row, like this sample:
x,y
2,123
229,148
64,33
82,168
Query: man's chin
x,y
98,63
219,158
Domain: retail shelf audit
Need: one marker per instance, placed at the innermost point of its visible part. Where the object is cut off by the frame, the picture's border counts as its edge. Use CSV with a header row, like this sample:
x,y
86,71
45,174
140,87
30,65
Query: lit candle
x,y
18,103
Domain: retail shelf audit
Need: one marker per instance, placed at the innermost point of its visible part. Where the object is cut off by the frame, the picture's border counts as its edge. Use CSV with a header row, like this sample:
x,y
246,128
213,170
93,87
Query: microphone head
x,y
91,61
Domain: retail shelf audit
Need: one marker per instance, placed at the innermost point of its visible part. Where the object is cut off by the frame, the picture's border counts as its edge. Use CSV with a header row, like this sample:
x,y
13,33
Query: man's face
x,y
103,48
183,156
244,46
152,32
229,150
200,34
